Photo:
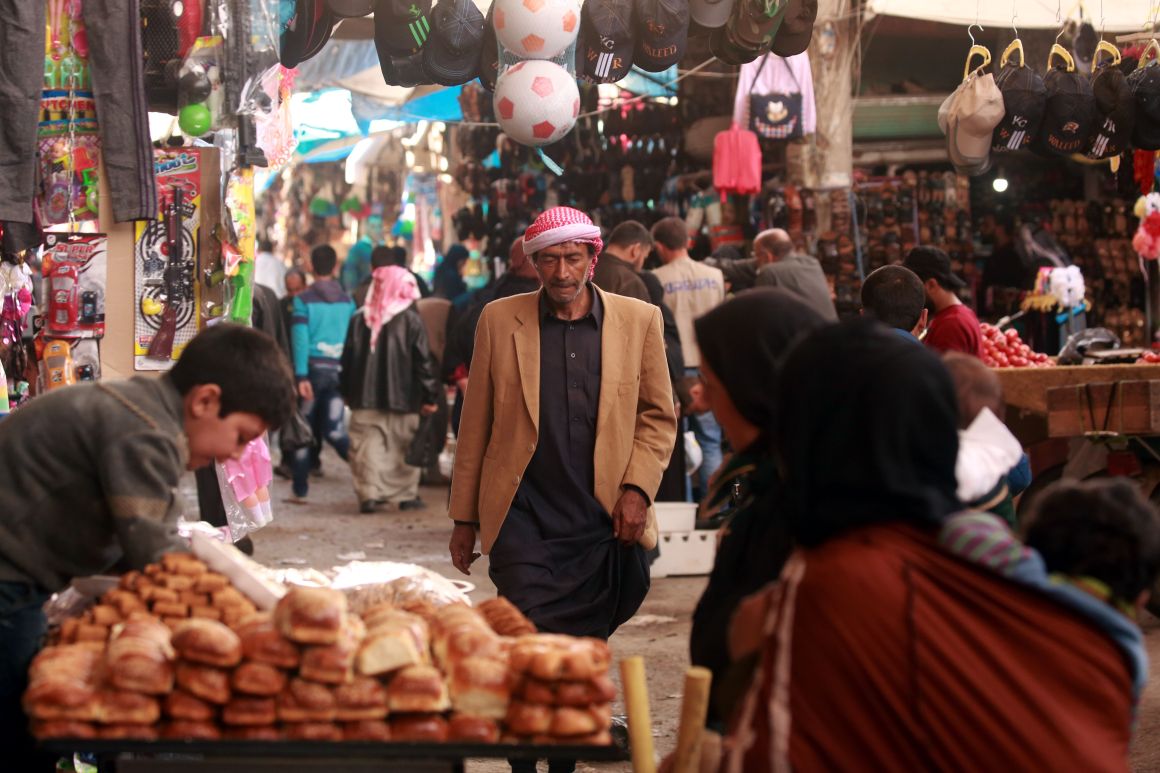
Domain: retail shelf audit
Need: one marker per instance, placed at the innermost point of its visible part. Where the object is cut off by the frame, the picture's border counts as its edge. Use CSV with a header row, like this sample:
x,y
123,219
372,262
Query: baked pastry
x,y
205,682
456,615
194,599
334,663
394,640
366,730
118,707
249,711
154,594
76,662
260,679
210,582
598,690
92,632
140,657
553,657
363,698
504,618
128,732
419,727
180,729
311,615
470,729
572,721
183,563
418,689
257,733
452,644
130,580
304,701
61,699
205,613
62,728
165,609
262,643
105,615
182,705
208,642
229,597
313,731
526,719
602,738
479,687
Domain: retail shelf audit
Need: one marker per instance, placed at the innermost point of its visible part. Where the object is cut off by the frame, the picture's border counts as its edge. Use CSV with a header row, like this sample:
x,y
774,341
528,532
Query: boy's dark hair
x,y
672,233
628,234
265,245
399,256
894,296
1103,529
323,259
252,371
382,256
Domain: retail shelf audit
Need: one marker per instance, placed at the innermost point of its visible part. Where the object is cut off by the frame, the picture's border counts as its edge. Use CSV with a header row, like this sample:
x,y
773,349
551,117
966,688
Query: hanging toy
x,y
195,120
1146,242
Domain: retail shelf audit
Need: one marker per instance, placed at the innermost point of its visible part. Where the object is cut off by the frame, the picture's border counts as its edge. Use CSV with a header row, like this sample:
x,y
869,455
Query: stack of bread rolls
x,y
561,692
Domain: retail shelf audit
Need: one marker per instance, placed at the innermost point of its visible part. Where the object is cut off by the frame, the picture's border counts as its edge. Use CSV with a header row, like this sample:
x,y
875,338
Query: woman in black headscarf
x,y
448,281
743,342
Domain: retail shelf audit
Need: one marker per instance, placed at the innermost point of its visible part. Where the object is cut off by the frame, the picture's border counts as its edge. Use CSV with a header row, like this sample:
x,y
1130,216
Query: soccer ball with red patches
x,y
536,102
537,29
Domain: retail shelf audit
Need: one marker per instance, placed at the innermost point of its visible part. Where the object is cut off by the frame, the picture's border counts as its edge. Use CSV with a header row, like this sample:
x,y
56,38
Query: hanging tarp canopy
x,y
1118,15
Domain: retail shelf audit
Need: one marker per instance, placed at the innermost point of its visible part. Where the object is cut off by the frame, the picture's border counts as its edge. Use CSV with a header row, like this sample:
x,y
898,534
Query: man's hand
x,y
628,517
305,390
428,409
462,547
700,404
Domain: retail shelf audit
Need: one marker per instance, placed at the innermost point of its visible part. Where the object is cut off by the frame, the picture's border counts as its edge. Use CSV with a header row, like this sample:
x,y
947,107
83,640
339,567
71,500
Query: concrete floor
x,y
317,533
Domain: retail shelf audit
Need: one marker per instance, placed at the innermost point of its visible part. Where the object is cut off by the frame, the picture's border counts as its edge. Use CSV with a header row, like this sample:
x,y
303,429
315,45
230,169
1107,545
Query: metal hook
x,y
1014,18
971,34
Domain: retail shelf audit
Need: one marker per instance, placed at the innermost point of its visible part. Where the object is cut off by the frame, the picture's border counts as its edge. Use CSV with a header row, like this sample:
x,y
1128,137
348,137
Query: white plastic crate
x,y
686,553
676,516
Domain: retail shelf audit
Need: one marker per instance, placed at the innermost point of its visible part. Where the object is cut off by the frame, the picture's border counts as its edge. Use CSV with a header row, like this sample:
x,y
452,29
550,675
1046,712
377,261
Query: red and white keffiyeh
x,y
560,225
392,290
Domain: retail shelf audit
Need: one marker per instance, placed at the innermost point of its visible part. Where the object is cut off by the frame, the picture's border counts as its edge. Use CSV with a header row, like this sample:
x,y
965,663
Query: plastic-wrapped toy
x,y
1146,242
245,484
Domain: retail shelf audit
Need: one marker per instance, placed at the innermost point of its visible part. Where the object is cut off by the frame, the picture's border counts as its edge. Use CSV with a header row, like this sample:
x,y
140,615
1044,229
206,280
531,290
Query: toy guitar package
x,y
75,270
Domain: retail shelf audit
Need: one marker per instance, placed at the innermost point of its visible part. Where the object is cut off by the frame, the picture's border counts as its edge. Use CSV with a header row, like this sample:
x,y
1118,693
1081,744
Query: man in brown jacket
x,y
567,429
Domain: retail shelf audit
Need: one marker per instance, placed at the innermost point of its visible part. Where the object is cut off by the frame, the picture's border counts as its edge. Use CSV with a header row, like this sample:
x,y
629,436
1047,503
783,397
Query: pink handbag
x,y
736,162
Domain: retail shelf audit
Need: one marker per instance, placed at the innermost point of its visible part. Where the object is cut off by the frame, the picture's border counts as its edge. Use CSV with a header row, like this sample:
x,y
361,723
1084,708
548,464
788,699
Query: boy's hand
x,y
305,390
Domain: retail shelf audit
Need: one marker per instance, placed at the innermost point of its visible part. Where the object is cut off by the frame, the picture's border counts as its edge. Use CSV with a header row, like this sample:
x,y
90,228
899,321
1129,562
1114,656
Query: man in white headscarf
x,y
566,430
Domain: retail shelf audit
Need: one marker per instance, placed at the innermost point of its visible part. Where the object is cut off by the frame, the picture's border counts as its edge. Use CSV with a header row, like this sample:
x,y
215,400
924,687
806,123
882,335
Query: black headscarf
x,y
866,432
745,340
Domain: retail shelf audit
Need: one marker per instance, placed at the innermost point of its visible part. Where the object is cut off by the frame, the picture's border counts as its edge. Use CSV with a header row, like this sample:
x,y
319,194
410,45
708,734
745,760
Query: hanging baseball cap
x,y
711,14
1145,84
972,120
755,23
406,71
932,263
306,32
797,29
1070,111
662,32
401,27
606,40
1024,103
351,9
451,55
1115,106
489,53
729,51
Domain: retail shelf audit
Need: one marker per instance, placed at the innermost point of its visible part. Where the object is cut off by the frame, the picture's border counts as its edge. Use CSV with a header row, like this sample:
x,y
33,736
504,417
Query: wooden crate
x,y
1123,407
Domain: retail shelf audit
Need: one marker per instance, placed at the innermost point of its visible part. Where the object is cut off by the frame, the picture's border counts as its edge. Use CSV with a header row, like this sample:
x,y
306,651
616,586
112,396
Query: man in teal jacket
x,y
318,332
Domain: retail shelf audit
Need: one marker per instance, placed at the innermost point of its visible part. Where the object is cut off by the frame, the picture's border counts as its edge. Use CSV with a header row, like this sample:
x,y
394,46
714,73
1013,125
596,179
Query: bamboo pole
x,y
640,737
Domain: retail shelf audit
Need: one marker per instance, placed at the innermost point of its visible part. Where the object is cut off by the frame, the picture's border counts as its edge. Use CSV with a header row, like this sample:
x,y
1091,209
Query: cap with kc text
x,y
606,40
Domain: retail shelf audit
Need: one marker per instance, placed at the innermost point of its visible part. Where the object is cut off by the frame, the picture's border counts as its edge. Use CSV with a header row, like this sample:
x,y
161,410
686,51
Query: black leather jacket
x,y
397,376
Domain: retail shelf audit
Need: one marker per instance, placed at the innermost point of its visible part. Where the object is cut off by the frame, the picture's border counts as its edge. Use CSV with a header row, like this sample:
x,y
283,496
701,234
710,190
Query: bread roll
x,y
260,679
209,643
205,682
419,727
205,613
249,711
130,580
229,597
262,643
165,609
259,733
177,582
210,582
468,729
479,687
135,666
452,644
602,738
68,630
193,599
304,701
311,615
184,730
153,570
571,721
598,690
526,719
106,615
92,632
60,699
76,662
394,640
180,704
418,689
366,730
504,618
363,698
334,663
553,657
128,732
154,594
183,563
118,707
313,731
45,730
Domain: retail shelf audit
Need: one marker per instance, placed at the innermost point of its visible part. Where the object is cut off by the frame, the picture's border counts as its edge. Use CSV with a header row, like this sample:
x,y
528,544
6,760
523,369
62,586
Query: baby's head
x,y
1101,529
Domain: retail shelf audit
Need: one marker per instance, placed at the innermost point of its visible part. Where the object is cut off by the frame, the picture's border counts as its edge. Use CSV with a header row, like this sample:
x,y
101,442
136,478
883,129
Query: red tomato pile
x,y
1150,357
1007,350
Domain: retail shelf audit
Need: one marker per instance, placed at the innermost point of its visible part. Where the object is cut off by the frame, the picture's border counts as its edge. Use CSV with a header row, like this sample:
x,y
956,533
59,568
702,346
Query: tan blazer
x,y
635,425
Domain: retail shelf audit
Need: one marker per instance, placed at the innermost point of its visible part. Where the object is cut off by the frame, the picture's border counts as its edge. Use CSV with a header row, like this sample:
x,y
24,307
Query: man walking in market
x,y
779,264
388,381
567,428
318,334
954,327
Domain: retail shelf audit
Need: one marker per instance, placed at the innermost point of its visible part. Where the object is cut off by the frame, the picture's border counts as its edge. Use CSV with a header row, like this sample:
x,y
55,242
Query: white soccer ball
x,y
537,29
536,102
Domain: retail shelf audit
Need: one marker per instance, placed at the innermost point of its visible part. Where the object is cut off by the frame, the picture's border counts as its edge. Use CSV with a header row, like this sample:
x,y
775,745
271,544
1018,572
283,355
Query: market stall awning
x,y
1118,15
